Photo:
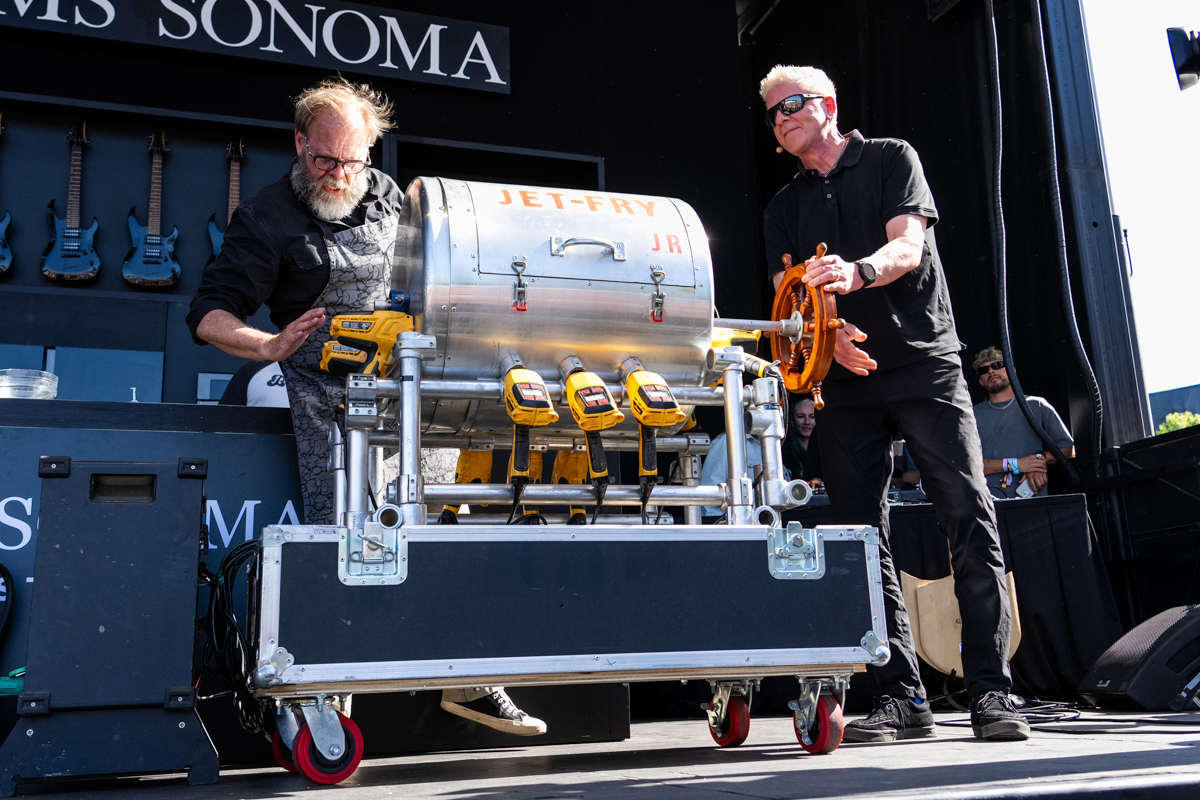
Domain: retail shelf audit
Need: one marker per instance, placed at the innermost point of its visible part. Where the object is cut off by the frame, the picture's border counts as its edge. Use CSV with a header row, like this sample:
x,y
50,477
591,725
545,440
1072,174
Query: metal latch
x,y
372,555
658,298
519,288
797,552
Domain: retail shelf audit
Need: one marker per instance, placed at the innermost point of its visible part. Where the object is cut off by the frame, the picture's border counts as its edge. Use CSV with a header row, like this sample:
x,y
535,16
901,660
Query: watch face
x,y
866,271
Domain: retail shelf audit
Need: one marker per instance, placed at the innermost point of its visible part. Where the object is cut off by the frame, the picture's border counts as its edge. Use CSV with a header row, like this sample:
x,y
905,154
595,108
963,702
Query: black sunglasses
x,y
789,106
986,368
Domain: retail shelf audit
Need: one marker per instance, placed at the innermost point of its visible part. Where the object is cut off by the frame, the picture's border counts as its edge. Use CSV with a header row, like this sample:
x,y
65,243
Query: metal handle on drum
x,y
558,246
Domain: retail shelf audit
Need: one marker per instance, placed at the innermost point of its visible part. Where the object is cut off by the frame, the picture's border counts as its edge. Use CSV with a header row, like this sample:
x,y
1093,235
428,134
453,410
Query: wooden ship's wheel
x,y
804,357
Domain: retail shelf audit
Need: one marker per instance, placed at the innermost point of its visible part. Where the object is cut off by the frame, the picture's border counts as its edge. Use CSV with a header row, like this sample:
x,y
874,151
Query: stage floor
x,y
677,759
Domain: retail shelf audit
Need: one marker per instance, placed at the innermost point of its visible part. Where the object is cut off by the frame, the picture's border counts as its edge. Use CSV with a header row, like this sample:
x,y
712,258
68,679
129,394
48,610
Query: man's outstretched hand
x,y
848,355
288,340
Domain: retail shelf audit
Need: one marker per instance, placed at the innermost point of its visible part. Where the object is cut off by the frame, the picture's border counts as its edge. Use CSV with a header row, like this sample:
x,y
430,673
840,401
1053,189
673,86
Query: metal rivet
x,y
182,725
29,732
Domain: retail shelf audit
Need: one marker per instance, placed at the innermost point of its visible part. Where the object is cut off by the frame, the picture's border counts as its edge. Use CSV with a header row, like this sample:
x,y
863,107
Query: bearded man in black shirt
x,y
868,200
315,244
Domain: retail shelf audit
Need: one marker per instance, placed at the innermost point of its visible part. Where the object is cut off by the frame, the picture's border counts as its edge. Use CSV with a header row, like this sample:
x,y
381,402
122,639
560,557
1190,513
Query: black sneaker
x,y
995,718
496,711
891,720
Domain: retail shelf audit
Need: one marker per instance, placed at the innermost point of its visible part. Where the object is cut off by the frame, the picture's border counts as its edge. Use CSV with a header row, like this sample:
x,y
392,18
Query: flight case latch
x,y
796,552
373,555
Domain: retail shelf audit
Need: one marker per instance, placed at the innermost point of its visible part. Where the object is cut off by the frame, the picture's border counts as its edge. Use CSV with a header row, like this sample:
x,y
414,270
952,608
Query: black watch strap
x,y
866,271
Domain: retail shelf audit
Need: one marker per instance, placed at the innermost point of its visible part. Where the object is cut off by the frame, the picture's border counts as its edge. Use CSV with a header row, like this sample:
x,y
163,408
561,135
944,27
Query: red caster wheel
x,y
825,734
737,723
319,769
282,753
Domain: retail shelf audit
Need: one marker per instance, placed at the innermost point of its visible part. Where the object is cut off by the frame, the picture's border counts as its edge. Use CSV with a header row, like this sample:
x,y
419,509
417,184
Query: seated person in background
x,y
905,474
1013,459
257,383
800,454
716,466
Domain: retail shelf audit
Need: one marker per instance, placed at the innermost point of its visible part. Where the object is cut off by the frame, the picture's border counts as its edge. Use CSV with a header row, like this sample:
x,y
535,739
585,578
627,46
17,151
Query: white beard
x,y
330,208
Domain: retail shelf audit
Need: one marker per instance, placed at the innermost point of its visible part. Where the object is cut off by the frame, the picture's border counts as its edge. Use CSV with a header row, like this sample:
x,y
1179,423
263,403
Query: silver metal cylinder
x,y
563,494
740,500
661,518
337,465
409,489
494,269
356,478
689,470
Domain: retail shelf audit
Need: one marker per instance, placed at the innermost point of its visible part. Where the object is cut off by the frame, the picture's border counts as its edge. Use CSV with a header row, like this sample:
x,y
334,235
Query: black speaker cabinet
x,y
108,681
1148,666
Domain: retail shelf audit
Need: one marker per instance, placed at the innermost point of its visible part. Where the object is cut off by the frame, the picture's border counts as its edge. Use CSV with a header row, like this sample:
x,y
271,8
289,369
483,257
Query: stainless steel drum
x,y
550,273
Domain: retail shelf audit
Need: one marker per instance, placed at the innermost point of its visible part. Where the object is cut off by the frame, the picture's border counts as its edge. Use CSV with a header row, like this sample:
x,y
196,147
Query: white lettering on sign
x,y
485,58
289,513
13,522
206,19
183,14
51,14
110,14
309,42
227,531
432,35
372,34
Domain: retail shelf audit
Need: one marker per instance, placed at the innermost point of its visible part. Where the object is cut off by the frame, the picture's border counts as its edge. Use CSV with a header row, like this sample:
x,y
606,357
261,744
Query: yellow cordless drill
x,y
654,406
374,334
594,410
527,402
474,466
748,341
571,468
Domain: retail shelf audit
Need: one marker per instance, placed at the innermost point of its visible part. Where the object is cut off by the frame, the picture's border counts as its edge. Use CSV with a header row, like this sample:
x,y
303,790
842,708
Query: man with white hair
x,y
313,245
868,200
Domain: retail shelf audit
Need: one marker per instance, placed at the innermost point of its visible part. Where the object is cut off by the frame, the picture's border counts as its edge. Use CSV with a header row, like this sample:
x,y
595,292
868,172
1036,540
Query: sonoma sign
x,y
347,37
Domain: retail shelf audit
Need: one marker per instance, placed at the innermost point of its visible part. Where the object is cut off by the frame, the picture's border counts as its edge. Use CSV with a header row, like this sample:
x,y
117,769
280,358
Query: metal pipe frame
x,y
576,495
689,470
696,444
475,518
740,509
787,327
356,474
494,390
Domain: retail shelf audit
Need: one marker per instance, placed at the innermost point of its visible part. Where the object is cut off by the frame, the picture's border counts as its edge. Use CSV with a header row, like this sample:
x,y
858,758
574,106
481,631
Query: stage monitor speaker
x,y
1149,666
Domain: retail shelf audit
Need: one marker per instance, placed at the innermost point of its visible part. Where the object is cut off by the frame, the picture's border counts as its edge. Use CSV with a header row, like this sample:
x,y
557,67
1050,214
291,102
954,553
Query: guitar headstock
x,y
78,134
158,142
235,151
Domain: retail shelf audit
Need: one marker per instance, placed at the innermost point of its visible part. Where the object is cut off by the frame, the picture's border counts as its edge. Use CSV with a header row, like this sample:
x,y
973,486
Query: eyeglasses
x,y
789,106
350,166
986,368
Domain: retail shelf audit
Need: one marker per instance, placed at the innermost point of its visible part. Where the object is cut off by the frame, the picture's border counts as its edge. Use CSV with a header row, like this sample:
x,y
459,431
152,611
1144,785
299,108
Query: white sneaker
x,y
496,711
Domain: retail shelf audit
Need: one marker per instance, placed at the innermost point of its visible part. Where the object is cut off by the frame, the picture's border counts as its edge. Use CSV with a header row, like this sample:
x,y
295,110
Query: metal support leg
x,y
337,465
740,510
689,468
413,348
356,478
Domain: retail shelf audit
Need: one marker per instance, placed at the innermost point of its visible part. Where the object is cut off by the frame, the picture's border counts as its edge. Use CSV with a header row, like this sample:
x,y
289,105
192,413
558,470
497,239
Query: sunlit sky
x,y
1152,144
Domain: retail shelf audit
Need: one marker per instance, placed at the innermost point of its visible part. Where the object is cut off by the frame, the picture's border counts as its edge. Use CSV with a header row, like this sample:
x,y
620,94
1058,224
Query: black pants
x,y
928,404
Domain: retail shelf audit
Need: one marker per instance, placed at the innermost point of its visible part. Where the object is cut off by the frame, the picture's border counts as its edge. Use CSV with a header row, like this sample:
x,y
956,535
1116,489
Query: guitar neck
x,y
73,187
235,188
154,220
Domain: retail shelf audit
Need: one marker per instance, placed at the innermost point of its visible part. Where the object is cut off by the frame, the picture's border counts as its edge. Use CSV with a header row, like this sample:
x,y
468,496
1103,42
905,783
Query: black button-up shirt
x,y
875,181
275,253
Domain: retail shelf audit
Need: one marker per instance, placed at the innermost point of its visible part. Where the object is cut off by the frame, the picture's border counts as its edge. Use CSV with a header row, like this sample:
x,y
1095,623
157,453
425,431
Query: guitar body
x,y
216,235
70,255
5,252
151,260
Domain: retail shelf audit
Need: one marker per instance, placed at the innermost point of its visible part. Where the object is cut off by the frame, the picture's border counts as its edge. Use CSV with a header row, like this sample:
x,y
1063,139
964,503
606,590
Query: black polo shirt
x,y
875,181
275,254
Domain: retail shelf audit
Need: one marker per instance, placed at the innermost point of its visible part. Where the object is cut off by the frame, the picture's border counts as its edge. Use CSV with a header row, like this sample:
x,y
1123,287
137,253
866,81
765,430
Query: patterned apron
x,y
360,268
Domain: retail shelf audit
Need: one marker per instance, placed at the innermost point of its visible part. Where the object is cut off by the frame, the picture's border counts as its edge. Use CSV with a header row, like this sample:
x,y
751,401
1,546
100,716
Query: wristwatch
x,y
867,272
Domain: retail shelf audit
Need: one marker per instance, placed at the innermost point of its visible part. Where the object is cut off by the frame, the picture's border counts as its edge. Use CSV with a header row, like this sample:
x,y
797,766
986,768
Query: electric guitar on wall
x,y
234,153
5,253
70,254
151,260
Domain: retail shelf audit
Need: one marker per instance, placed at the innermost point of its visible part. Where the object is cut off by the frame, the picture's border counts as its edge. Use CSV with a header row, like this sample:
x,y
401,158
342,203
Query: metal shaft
x,y
409,494
658,518
689,469
337,465
356,474
740,510
564,494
